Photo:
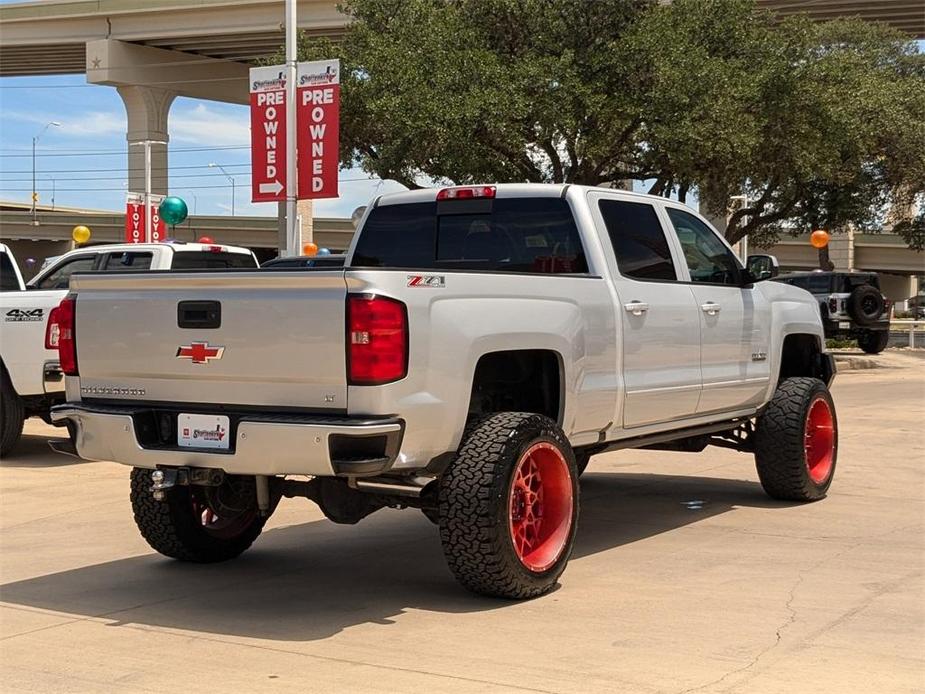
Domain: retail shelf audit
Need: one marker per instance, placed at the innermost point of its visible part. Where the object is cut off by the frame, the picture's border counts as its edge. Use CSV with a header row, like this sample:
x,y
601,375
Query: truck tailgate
x,y
155,337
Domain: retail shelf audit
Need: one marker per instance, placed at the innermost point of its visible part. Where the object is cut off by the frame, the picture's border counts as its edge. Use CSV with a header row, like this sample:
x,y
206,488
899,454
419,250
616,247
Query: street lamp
x,y
743,244
230,178
35,140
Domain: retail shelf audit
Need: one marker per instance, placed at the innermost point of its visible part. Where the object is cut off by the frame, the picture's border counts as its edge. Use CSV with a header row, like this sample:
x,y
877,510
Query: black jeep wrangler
x,y
851,305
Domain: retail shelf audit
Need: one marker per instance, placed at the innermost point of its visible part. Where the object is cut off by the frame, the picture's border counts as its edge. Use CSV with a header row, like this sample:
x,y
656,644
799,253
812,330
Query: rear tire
x,y
796,441
12,414
186,524
874,342
508,506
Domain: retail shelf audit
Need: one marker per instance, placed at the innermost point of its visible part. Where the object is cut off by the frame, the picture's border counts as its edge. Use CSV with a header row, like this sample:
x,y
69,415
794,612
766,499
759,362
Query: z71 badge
x,y
432,281
24,315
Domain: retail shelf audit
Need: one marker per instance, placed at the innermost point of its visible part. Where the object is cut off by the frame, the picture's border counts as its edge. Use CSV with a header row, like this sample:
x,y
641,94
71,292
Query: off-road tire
x,y
12,414
475,503
172,528
781,440
865,304
874,342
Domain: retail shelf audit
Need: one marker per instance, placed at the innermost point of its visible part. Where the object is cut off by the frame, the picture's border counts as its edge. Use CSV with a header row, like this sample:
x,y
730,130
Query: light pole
x,y
35,140
230,178
147,145
743,244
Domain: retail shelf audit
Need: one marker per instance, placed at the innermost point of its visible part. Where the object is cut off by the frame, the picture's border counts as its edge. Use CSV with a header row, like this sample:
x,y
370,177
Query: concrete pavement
x,y
685,578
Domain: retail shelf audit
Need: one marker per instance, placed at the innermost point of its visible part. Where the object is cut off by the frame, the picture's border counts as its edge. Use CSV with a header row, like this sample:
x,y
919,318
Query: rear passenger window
x,y
211,260
819,284
531,235
638,240
125,262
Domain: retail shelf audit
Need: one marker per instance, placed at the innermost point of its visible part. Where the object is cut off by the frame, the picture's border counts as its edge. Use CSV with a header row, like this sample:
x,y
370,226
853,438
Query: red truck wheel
x,y
508,506
196,524
796,441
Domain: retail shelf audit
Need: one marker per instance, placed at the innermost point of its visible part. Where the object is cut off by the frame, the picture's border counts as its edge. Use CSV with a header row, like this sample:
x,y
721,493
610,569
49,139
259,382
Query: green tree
x,y
821,124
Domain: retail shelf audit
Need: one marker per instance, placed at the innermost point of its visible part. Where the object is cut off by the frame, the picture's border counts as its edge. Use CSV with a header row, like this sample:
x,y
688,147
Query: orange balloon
x,y
819,238
309,249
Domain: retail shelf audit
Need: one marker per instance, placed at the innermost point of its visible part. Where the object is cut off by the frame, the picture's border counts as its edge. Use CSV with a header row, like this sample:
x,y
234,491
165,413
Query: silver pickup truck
x,y
479,346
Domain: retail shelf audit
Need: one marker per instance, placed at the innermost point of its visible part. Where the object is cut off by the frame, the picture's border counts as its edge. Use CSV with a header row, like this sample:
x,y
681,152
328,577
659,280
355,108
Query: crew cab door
x,y
734,319
660,320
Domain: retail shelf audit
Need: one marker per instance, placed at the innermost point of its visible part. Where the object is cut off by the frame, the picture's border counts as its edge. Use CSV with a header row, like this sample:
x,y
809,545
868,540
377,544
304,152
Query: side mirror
x,y
762,267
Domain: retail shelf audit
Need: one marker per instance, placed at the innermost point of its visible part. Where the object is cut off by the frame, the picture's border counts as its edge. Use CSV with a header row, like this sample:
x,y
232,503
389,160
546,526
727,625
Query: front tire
x,y
874,342
796,441
508,506
12,414
194,523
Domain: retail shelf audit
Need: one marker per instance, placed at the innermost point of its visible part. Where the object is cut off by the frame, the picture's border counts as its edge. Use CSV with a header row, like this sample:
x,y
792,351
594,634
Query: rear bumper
x,y
261,444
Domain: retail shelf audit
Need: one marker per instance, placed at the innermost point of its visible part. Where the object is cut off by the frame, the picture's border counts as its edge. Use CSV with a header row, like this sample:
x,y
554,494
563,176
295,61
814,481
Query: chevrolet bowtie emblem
x,y
200,352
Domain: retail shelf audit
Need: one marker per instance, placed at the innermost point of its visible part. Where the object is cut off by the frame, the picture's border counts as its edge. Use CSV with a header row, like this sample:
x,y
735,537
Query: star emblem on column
x,y
95,63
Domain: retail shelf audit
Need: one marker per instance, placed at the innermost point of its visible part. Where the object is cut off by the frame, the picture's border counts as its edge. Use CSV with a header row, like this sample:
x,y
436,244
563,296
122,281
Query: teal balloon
x,y
324,251
173,210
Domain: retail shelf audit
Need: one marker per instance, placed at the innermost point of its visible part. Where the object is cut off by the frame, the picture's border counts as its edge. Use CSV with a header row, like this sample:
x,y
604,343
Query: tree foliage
x,y
821,124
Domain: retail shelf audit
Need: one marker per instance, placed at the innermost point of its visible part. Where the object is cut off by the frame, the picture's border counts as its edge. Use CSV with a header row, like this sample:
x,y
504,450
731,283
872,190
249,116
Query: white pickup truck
x,y
480,344
31,378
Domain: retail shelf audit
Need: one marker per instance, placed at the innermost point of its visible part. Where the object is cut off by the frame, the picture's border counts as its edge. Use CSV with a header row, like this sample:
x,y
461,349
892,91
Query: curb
x,y
845,362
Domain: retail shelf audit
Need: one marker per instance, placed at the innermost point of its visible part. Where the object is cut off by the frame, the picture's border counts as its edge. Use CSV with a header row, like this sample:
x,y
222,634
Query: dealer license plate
x,y
202,431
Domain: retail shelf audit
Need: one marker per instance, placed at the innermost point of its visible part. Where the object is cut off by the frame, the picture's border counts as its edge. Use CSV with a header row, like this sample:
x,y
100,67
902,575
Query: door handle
x,y
710,308
637,308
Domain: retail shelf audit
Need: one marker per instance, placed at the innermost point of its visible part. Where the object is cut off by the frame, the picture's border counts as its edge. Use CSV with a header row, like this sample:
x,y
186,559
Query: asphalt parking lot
x,y
685,578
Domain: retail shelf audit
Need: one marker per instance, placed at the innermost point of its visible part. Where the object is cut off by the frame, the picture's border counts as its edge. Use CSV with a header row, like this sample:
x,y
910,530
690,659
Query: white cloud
x,y
87,124
208,127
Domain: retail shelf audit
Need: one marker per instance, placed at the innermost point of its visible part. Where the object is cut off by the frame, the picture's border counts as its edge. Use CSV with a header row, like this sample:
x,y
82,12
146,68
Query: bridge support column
x,y
147,109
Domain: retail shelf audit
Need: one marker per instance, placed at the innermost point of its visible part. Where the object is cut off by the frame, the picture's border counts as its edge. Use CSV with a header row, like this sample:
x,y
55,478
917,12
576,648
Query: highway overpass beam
x,y
148,80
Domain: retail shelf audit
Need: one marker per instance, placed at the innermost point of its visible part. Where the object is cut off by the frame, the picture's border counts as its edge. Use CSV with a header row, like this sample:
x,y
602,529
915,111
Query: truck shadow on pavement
x,y
32,451
311,581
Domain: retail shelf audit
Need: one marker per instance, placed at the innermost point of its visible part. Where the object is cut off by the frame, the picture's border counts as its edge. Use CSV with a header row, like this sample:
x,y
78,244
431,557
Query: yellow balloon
x,y
81,234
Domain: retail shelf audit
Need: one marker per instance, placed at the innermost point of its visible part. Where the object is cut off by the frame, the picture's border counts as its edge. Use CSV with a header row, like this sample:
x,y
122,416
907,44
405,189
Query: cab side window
x,y
60,277
638,240
126,262
708,258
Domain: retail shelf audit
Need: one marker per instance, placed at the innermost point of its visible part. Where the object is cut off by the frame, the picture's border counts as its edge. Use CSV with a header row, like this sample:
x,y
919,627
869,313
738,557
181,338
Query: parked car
x,y
31,376
851,305
479,346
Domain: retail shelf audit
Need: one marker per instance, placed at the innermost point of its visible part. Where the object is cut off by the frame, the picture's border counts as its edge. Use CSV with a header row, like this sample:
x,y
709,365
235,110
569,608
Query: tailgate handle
x,y
199,314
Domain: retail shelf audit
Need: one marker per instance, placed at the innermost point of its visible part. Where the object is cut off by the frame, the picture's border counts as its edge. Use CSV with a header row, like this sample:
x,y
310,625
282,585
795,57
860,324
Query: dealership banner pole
x,y
292,232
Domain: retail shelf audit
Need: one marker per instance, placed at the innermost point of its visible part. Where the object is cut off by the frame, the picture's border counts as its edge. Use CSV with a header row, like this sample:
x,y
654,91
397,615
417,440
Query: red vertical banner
x,y
135,218
268,133
318,128
158,227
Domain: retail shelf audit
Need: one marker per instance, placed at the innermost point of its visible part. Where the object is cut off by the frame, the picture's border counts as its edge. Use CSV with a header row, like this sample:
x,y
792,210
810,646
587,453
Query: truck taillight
x,y
466,192
52,330
377,340
833,304
66,336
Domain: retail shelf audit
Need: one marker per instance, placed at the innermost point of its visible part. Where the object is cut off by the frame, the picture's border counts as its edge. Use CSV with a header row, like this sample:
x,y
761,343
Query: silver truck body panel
x,y
303,366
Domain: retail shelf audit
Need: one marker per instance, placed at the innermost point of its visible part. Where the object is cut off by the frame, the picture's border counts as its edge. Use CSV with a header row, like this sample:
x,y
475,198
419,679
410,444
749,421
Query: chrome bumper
x,y
262,445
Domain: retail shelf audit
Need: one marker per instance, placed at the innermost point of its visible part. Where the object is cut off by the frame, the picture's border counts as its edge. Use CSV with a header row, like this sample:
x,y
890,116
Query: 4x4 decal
x,y
24,315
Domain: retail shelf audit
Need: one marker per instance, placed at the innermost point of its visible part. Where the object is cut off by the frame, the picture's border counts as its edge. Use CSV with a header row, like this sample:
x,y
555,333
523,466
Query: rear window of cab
x,y
528,235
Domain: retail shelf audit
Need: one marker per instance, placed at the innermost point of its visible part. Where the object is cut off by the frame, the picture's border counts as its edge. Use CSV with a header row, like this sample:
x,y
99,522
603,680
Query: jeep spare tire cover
x,y
865,304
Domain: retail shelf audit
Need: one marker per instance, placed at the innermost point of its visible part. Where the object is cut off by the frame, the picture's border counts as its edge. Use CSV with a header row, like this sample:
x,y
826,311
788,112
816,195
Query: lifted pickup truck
x,y
31,378
479,346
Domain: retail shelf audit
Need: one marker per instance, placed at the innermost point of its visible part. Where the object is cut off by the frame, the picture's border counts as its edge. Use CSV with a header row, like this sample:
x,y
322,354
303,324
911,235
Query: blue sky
x,y
84,160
